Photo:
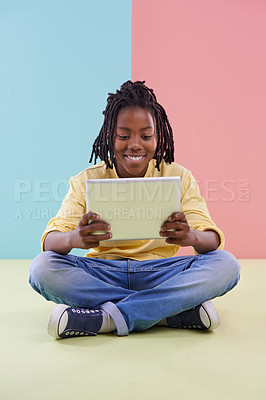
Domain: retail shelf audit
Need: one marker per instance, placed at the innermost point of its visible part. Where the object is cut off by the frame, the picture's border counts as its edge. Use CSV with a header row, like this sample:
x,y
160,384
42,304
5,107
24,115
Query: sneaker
x,y
66,321
203,317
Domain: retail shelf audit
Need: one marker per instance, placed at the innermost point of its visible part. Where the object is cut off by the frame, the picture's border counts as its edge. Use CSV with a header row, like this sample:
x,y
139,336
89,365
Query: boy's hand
x,y
83,236
178,231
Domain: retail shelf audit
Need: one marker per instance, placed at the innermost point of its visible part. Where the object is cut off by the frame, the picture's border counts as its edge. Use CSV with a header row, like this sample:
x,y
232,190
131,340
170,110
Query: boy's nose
x,y
134,144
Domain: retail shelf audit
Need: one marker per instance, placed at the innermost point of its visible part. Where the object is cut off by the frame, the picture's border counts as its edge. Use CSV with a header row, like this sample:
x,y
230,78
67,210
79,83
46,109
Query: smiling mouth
x,y
134,158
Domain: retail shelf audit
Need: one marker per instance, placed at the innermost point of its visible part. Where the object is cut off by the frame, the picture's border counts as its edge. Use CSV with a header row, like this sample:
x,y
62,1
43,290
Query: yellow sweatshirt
x,y
74,206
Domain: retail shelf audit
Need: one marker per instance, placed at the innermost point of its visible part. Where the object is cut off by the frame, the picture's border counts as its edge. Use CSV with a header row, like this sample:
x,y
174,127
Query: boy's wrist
x,y
205,241
195,239
71,240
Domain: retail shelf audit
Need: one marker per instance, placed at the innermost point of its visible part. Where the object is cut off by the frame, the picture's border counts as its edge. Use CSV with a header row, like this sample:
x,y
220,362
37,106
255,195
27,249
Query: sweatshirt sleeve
x,y
71,211
195,208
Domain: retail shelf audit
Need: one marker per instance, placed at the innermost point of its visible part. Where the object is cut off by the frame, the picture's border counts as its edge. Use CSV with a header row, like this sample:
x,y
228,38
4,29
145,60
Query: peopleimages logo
x,y
44,193
45,190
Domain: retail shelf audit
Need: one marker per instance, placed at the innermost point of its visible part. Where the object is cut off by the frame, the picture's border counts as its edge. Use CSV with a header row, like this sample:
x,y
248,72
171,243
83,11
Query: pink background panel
x,y
206,61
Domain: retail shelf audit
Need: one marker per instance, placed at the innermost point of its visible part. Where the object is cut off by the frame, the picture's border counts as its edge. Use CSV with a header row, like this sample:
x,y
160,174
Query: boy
x,y
126,286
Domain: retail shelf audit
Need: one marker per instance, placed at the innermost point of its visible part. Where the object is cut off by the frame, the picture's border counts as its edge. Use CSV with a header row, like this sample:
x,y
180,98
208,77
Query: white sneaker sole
x,y
54,321
212,314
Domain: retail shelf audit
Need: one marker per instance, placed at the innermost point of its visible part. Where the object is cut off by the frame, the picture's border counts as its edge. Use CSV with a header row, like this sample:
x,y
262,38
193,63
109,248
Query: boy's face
x,y
135,142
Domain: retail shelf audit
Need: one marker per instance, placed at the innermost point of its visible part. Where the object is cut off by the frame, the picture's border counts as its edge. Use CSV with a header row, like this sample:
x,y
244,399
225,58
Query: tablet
x,y
135,208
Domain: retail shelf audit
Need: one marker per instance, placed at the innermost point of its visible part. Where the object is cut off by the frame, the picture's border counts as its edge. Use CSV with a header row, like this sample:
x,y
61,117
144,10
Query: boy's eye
x,y
122,137
126,137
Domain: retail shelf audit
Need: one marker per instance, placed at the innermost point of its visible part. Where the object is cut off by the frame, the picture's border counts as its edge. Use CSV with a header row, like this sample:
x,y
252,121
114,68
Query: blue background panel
x,y
59,60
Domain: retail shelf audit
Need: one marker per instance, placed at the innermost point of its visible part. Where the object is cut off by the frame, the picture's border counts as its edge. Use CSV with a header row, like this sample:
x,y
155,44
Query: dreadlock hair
x,y
133,94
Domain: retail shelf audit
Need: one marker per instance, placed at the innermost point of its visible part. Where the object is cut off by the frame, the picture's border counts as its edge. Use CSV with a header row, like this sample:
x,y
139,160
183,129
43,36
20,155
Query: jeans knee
x,y
39,268
230,265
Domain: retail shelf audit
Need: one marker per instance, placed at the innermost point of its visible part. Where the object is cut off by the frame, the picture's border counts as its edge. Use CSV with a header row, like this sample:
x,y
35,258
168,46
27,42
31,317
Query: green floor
x,y
161,363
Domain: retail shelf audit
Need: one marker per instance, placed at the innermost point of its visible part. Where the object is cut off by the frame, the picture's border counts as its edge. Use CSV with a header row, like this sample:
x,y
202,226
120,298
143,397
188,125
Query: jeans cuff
x,y
119,320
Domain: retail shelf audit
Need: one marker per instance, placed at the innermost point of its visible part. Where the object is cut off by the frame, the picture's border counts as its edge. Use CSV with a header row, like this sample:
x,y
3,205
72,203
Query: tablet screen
x,y
135,208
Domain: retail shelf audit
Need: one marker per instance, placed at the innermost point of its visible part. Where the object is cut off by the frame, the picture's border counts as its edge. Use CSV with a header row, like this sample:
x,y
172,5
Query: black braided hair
x,y
133,94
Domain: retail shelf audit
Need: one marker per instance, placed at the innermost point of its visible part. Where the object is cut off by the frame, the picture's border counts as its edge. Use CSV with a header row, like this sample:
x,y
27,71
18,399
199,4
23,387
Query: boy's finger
x,y
177,224
172,227
177,216
89,216
101,236
96,226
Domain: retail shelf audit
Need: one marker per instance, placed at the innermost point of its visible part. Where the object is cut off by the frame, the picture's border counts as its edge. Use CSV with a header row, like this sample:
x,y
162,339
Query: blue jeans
x,y
137,294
